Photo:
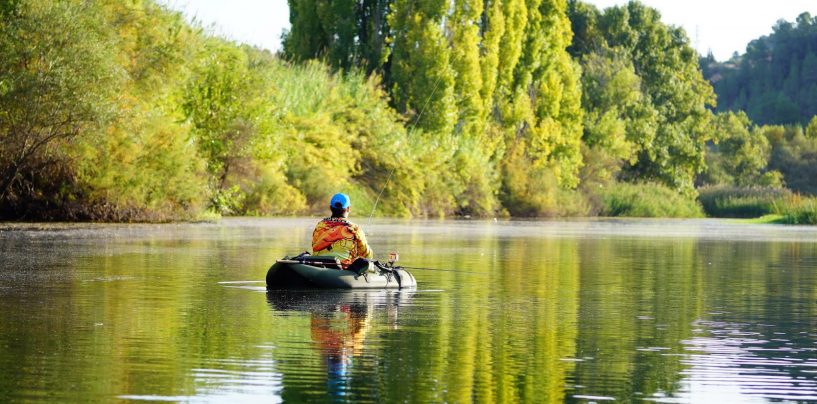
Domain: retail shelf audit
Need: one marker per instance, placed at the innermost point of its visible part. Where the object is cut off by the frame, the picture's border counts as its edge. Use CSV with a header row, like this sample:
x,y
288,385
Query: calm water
x,y
659,311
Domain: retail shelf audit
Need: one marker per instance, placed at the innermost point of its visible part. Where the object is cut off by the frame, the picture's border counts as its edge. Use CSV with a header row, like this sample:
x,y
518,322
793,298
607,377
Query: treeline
x,y
775,81
500,82
124,111
765,157
643,139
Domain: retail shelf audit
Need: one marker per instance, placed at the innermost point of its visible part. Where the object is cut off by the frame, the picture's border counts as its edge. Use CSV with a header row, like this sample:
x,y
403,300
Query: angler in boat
x,y
341,258
337,237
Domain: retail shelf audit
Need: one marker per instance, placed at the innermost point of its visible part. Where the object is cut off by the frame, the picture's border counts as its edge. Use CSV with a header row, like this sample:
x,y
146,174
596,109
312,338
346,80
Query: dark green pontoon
x,y
306,271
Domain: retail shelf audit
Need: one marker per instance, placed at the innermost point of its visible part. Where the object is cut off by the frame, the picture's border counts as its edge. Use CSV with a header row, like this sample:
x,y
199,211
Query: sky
x,y
719,26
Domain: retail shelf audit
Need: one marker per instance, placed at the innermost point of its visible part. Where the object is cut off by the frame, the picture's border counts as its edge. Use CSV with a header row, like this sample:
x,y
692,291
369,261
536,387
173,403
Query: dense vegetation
x,y
775,81
124,111
771,141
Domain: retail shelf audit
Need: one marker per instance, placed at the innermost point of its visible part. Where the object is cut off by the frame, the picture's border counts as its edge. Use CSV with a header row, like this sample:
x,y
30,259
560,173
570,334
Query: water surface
x,y
575,311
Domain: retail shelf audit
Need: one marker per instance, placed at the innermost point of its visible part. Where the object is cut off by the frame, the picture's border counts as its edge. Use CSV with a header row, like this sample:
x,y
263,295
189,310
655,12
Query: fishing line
x,y
413,128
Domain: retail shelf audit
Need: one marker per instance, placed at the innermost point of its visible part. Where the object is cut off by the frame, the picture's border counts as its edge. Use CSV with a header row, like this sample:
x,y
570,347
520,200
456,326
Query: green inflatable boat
x,y
307,272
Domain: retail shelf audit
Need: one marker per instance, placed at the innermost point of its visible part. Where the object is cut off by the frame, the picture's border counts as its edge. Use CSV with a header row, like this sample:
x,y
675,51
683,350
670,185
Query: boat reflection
x,y
340,322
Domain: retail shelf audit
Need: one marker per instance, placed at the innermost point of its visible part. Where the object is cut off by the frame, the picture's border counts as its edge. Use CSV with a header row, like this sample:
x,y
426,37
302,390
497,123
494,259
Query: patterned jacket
x,y
338,237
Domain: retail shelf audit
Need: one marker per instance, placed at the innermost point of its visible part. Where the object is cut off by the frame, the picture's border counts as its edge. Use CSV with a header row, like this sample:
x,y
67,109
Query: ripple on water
x,y
742,368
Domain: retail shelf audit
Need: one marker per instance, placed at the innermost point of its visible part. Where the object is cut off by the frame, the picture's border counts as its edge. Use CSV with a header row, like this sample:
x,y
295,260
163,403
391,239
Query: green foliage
x,y
811,129
346,34
794,155
671,120
619,122
421,72
143,166
743,202
418,108
800,212
740,155
465,63
472,78
646,200
56,85
539,106
775,80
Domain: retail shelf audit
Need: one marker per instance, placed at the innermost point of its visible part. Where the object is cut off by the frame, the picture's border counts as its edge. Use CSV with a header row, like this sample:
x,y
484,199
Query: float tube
x,y
306,272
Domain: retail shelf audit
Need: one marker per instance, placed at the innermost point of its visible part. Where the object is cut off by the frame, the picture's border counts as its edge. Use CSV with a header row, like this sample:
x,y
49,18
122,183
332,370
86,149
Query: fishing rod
x,y
413,128
442,270
394,257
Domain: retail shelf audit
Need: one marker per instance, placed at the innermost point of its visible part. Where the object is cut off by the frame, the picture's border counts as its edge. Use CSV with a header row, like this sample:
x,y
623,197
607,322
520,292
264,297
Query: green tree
x,y
218,105
794,155
671,82
619,120
463,26
347,34
811,129
422,77
741,152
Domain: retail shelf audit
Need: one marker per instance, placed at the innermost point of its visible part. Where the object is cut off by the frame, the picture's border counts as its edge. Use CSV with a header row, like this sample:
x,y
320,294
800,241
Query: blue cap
x,y
340,201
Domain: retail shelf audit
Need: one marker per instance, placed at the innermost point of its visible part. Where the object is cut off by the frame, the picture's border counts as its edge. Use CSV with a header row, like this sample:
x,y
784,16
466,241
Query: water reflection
x,y
339,322
538,312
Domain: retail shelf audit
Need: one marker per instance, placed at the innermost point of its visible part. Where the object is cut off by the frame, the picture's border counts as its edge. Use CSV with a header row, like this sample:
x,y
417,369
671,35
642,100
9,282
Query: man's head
x,y
340,205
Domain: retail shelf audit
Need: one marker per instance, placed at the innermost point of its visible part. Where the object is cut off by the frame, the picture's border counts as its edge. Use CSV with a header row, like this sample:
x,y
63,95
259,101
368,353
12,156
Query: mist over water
x,y
576,311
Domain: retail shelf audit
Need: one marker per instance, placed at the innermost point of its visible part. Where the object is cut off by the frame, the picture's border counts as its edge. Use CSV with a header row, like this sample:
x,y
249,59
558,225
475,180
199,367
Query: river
x,y
532,311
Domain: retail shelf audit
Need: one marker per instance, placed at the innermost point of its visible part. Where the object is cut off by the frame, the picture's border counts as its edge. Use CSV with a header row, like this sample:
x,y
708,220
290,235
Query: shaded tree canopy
x,y
775,80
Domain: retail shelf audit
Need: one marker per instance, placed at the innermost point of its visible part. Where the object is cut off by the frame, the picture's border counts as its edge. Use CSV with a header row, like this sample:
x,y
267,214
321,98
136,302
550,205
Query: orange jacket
x,y
338,237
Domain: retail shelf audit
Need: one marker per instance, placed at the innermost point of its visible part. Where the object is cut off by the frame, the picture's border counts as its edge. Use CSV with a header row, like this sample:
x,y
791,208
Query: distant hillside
x,y
775,81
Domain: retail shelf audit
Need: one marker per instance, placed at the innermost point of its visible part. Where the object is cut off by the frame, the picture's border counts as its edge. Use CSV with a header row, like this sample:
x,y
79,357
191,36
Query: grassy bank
x,y
761,205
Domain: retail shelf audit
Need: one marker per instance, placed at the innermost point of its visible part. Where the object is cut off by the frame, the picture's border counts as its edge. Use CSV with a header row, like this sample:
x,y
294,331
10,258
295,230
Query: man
x,y
338,237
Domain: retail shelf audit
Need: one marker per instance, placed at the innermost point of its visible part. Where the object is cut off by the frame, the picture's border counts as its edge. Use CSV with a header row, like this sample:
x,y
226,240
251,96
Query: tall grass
x,y
646,200
799,210
788,207
728,201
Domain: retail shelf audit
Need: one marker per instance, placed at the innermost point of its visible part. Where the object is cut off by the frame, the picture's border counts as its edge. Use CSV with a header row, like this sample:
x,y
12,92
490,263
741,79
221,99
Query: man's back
x,y
338,237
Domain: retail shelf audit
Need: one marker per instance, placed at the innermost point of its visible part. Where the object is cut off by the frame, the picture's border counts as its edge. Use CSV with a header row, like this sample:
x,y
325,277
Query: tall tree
x,y
463,26
422,79
347,34
546,86
671,82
